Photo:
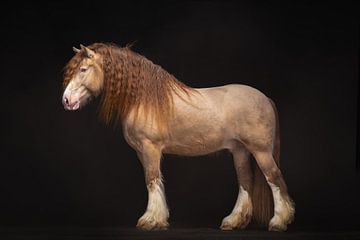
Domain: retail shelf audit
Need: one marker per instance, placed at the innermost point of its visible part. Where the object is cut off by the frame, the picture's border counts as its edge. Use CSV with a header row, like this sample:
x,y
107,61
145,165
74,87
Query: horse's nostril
x,y
66,101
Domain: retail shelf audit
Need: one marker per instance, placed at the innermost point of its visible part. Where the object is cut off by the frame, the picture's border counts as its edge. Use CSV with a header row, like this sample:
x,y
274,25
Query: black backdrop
x,y
67,168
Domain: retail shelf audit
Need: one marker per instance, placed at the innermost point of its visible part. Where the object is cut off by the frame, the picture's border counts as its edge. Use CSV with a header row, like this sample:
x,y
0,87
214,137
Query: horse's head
x,y
83,78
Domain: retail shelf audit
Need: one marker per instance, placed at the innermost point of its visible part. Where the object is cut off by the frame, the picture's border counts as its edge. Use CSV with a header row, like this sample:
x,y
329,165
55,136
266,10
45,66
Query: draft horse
x,y
160,115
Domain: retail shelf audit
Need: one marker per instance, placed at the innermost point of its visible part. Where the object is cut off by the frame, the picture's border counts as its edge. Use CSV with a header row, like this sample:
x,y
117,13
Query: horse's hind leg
x,y
283,206
157,212
242,212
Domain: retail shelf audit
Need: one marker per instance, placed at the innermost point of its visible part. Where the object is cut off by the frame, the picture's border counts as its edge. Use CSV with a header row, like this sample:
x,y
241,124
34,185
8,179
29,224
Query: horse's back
x,y
234,90
237,97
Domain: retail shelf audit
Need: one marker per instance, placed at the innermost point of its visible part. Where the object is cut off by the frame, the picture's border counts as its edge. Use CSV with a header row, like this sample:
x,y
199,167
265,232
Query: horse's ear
x,y
76,50
87,51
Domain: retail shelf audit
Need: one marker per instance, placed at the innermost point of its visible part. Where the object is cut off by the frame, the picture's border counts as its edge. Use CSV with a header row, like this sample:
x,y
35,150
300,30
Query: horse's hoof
x,y
232,222
277,227
277,224
151,225
226,227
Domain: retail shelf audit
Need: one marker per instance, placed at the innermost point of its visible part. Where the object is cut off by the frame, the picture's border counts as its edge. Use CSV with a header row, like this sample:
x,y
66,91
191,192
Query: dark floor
x,y
173,233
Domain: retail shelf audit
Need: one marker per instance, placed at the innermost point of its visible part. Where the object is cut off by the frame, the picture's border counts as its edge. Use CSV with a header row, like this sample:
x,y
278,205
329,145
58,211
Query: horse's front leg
x,y
157,212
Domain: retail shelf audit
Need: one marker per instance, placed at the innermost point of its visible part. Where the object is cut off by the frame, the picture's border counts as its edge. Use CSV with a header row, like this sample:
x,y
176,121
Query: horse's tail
x,y
263,203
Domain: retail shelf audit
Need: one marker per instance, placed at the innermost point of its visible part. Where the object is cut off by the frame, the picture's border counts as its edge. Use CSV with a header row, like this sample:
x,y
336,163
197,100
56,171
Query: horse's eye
x,y
83,69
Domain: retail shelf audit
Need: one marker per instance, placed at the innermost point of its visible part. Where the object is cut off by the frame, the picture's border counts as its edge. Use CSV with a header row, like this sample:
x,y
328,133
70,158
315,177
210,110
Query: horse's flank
x,y
133,84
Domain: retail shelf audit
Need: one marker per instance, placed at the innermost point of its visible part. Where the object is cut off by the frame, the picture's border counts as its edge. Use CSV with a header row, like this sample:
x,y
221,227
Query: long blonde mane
x,y
131,83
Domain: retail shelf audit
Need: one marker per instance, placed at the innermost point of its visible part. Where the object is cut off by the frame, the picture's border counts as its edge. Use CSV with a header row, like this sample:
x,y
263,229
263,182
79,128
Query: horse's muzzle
x,y
70,106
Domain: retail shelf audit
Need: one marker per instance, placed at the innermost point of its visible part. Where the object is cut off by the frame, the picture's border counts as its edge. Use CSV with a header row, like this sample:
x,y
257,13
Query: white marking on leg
x,y
278,201
157,211
243,199
157,202
241,214
283,210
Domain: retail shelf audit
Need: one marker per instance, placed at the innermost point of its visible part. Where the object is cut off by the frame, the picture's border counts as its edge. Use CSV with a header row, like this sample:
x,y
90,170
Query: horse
x,y
159,115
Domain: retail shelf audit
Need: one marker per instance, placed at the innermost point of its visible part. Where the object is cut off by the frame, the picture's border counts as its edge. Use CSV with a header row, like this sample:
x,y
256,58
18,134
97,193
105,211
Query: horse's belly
x,y
194,143
195,149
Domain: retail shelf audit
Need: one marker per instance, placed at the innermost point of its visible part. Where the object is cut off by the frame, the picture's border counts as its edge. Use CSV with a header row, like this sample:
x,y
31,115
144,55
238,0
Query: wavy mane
x,y
132,82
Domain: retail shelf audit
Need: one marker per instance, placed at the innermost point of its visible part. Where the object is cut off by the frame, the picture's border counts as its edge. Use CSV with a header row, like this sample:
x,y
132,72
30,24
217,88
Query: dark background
x,y
67,168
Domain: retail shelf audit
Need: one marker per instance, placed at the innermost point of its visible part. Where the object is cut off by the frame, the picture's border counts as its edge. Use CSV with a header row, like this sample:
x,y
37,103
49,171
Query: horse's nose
x,y
66,101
